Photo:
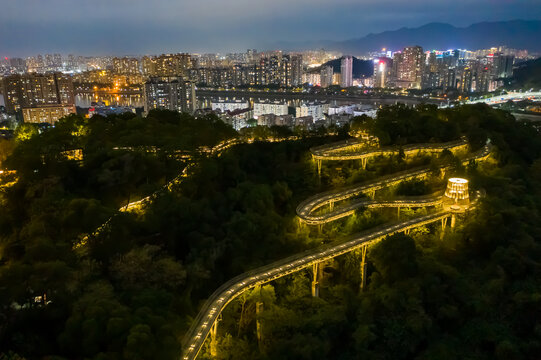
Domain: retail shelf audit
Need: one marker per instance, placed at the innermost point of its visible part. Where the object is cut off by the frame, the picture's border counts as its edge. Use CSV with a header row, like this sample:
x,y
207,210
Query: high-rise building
x,y
296,70
126,66
382,71
465,83
47,113
270,107
409,67
17,65
33,90
148,66
503,65
326,76
168,65
172,93
251,55
346,71
284,76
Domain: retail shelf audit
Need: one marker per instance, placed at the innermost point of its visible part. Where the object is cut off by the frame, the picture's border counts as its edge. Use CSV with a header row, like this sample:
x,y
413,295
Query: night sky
x,y
122,27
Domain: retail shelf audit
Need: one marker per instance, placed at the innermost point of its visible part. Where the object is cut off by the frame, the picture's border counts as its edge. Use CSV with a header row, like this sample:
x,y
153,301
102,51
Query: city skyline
x,y
102,28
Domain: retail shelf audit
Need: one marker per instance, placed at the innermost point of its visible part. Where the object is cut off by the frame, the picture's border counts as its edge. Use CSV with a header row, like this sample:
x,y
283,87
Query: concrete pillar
x,y
213,340
364,249
453,220
363,162
443,223
315,280
259,329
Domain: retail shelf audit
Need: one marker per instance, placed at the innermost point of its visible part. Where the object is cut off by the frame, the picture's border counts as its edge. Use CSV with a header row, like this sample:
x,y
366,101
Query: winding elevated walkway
x,y
306,209
206,320
349,150
209,313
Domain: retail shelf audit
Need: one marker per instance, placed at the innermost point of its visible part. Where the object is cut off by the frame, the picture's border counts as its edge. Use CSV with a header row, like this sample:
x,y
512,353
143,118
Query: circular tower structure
x,y
457,189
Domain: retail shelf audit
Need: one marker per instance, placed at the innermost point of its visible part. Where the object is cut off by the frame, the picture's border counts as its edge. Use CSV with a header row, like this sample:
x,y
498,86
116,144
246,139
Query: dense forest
x,y
131,290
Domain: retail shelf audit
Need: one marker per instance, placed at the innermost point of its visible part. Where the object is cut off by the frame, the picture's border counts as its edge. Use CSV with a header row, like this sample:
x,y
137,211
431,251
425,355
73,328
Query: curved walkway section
x,y
208,315
306,209
195,337
339,151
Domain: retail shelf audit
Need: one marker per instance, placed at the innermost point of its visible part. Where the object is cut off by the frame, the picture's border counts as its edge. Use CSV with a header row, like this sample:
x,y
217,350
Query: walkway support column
x,y
453,220
315,280
258,311
364,249
443,223
214,340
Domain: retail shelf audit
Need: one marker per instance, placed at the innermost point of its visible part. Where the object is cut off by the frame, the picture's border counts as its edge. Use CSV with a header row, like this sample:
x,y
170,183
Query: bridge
x,y
206,321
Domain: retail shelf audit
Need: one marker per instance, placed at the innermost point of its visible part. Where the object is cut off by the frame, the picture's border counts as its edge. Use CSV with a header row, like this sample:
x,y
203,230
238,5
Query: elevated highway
x,y
206,321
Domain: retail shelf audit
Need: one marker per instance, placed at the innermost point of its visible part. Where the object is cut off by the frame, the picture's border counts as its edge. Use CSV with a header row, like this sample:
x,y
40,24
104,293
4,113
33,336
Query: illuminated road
x,y
514,96
209,313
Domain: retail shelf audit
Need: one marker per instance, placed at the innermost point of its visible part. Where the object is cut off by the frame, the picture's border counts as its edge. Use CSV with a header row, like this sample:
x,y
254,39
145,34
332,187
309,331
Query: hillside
x,y
528,75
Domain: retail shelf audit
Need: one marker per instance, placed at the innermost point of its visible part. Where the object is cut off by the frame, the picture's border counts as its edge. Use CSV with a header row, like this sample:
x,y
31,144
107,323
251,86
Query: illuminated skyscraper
x,y
409,67
33,90
172,93
346,71
126,66
326,76
167,65
296,70
382,71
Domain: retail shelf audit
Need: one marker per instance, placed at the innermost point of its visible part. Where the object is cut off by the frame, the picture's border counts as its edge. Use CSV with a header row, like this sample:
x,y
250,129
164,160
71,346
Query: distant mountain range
x,y
516,34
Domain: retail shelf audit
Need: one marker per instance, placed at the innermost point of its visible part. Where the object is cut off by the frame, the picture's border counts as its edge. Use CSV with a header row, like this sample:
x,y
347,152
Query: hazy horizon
x,y
123,27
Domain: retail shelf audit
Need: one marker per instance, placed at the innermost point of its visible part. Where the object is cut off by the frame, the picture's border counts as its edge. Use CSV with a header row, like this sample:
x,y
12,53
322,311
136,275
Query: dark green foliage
x,y
118,302
401,124
132,291
473,293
